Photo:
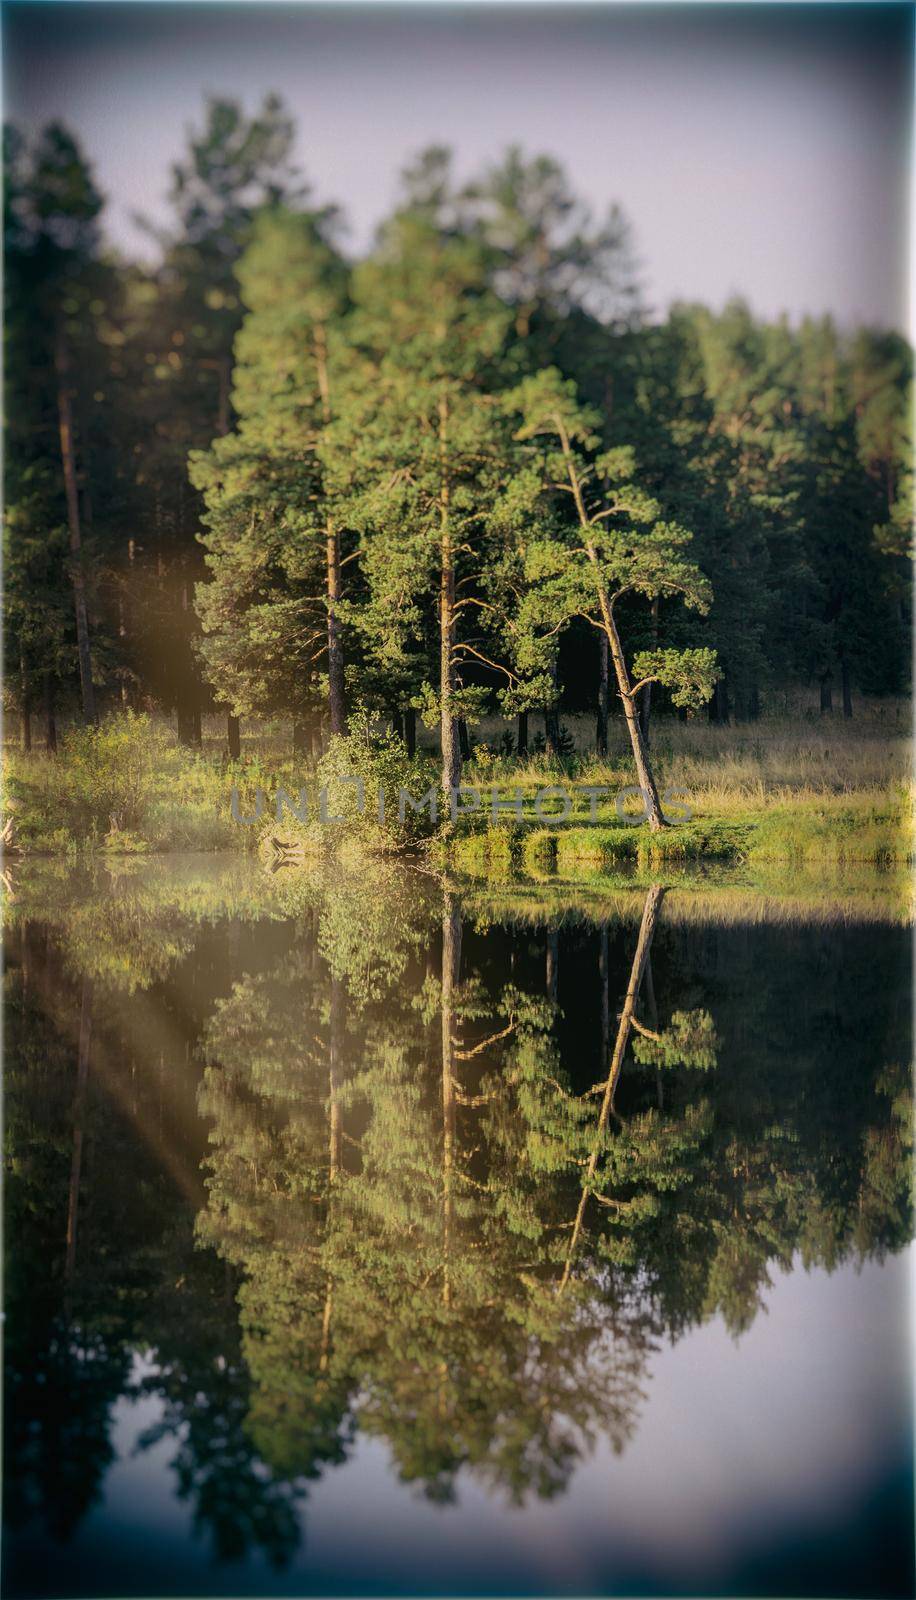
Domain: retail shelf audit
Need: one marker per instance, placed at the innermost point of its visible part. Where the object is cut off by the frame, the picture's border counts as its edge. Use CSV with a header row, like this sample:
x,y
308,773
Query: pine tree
x,y
53,278
428,449
270,611
547,256
609,543
235,165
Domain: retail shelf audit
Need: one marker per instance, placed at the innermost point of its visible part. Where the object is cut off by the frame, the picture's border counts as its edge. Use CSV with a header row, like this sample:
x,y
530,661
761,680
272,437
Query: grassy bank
x,y
799,791
792,789
872,827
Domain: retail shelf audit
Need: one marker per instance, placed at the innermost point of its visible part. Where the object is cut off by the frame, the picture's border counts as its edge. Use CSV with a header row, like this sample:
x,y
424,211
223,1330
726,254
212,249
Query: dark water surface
x,y
378,1237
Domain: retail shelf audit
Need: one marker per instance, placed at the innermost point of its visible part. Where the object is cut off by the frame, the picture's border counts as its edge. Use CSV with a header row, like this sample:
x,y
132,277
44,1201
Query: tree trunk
x,y
847,687
464,742
335,1143
451,966
335,1056
552,718
604,985
335,652
50,719
719,711
753,701
25,707
552,975
122,638
639,752
523,733
25,959
826,692
603,696
410,731
189,730
77,573
644,772
234,736
225,381
188,726
451,755
129,683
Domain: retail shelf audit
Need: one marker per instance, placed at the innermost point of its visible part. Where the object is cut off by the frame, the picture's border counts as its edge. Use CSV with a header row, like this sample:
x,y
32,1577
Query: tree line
x,y
468,472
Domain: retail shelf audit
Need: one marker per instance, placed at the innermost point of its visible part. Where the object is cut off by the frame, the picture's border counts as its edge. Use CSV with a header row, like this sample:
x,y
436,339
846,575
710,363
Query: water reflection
x,y
373,1160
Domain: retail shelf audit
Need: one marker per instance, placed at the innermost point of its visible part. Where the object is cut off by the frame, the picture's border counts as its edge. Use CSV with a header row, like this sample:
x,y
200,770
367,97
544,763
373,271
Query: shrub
x,y
566,744
380,761
381,764
98,786
106,772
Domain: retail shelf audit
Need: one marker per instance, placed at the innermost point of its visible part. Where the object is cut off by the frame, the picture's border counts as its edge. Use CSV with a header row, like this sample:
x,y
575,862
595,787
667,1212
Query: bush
x,y
106,773
566,744
98,787
381,765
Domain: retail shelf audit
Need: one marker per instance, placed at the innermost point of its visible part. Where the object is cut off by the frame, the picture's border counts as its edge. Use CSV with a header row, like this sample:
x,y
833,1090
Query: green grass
x,y
873,827
877,830
803,789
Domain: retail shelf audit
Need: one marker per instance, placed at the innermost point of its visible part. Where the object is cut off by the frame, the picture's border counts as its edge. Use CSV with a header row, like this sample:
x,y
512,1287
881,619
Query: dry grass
x,y
757,763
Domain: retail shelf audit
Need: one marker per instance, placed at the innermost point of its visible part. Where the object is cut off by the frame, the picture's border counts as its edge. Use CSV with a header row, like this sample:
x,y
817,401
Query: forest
x,y
387,1203
468,476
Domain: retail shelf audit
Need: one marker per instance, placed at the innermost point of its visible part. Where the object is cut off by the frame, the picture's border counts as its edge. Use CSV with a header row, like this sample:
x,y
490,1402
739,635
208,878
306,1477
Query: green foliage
x,y
56,291
689,1040
108,769
127,786
103,779
690,675
366,814
265,490
381,763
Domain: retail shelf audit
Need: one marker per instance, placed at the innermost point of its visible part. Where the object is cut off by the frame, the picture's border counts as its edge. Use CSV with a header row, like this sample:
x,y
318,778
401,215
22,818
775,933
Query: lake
x,y
371,1234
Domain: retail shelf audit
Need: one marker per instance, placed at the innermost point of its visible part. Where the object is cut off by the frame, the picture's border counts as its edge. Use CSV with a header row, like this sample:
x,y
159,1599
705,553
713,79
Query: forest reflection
x,y
371,1161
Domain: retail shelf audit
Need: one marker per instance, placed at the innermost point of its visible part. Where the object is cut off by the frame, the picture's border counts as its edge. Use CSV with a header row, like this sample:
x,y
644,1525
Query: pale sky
x,y
761,150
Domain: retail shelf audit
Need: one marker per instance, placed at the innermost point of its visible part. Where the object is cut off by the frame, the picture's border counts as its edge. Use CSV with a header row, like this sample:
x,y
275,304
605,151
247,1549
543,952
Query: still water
x,y
369,1235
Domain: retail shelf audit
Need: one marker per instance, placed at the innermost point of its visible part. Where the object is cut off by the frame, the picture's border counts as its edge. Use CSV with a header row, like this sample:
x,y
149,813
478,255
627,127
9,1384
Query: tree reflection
x,y
410,1287
426,1216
